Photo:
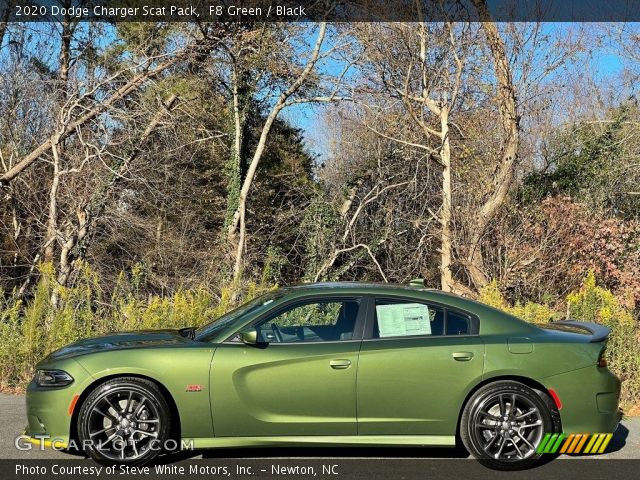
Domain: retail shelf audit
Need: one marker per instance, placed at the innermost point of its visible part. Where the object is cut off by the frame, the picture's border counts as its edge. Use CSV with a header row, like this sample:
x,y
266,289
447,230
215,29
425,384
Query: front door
x,y
416,363
299,380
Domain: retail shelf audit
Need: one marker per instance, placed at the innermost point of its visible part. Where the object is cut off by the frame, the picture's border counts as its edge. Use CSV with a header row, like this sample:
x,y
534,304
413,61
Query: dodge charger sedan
x,y
330,364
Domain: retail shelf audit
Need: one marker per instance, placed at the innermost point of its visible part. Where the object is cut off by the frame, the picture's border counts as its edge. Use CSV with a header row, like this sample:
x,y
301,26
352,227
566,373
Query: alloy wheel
x,y
508,427
124,423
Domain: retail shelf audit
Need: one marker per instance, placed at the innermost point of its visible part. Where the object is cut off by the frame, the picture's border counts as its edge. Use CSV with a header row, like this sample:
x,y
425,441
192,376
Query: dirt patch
x,y
13,390
633,411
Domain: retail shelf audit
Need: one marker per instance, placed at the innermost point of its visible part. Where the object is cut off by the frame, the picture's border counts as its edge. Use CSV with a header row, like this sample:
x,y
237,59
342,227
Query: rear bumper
x,y
589,397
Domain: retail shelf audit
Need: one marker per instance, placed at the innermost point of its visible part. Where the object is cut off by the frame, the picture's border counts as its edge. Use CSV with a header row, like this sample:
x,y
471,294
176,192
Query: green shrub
x,y
11,340
589,303
529,311
596,304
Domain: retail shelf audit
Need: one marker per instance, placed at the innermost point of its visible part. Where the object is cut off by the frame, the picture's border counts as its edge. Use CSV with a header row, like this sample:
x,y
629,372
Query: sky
x,y
602,59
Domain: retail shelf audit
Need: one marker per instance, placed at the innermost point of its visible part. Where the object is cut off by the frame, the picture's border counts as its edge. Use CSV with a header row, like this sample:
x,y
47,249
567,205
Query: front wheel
x,y
503,423
124,420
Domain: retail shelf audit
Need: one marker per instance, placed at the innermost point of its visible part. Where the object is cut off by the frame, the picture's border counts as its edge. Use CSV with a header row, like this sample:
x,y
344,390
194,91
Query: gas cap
x,y
520,345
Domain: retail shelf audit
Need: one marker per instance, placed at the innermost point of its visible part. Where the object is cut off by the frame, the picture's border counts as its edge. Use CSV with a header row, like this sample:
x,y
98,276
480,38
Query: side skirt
x,y
315,441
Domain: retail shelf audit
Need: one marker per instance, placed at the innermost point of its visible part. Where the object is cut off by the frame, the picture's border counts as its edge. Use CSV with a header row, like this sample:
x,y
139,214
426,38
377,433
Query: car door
x,y
416,363
300,379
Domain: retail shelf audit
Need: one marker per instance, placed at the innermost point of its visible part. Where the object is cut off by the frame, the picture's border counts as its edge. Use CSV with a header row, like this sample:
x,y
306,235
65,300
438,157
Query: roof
x,y
379,285
362,287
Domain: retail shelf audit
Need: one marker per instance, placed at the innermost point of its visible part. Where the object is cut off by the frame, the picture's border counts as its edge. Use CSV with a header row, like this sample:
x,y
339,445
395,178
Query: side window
x,y
403,318
317,321
458,323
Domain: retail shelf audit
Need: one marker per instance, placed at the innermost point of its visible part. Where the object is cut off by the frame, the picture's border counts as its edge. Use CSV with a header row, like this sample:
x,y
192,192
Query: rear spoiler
x,y
598,332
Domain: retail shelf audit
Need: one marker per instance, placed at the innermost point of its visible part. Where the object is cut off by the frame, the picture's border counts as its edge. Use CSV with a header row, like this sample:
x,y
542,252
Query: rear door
x,y
416,365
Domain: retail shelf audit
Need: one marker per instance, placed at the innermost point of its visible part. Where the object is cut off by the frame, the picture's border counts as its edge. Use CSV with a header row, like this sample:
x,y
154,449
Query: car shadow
x,y
619,439
337,452
617,442
314,452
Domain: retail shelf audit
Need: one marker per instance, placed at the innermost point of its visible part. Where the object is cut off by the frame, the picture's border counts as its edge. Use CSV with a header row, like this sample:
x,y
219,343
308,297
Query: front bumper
x,y
49,410
44,441
589,397
47,413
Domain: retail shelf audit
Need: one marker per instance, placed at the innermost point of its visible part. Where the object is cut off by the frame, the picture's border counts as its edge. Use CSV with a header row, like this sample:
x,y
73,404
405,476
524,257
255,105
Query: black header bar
x,y
317,10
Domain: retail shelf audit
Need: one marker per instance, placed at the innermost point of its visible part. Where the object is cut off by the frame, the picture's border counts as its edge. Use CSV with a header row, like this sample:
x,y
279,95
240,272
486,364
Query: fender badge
x,y
194,388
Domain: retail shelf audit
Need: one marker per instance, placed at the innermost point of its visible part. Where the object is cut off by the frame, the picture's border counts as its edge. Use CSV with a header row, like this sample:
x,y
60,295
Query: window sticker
x,y
403,319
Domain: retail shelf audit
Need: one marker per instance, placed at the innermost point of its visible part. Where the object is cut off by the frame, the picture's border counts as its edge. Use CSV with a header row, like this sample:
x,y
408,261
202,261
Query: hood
x,y
122,341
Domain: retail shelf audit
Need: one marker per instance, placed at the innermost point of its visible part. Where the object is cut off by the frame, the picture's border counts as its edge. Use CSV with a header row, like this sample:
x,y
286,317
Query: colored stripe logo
x,y
574,443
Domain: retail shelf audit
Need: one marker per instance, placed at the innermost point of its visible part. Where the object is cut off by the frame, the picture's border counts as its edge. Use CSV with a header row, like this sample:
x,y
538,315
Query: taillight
x,y
602,359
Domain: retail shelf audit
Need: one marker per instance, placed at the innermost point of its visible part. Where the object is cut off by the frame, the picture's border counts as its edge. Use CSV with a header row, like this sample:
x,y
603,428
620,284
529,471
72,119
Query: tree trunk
x,y
65,55
507,104
52,221
238,223
4,18
442,112
238,119
235,170
446,276
240,215
57,146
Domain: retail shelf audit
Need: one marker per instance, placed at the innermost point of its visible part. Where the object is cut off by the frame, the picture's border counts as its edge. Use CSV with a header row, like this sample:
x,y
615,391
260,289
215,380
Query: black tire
x,y
124,420
505,443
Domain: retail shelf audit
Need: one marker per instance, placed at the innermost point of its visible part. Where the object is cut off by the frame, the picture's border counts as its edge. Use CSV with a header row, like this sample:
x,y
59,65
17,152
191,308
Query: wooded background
x,y
158,174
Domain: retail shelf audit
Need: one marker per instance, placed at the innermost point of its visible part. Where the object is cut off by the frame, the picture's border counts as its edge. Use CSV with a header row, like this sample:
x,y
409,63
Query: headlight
x,y
53,378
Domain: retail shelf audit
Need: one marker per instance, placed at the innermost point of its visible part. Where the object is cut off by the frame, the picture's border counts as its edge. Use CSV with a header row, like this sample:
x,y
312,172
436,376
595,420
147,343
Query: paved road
x,y
624,445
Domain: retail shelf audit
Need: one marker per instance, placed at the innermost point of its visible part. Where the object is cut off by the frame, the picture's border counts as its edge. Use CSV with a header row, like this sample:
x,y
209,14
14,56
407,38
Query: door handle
x,y
462,356
340,364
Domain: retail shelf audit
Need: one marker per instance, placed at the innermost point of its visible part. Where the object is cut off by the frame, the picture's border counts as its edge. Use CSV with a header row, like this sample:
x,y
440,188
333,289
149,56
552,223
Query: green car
x,y
330,364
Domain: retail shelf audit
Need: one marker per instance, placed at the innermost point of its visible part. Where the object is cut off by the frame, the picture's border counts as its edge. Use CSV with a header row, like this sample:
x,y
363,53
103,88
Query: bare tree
x,y
426,77
82,109
510,118
89,146
75,239
288,97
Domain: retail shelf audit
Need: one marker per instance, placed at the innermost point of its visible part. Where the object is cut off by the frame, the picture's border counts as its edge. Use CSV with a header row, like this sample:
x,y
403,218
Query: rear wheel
x,y
124,420
503,423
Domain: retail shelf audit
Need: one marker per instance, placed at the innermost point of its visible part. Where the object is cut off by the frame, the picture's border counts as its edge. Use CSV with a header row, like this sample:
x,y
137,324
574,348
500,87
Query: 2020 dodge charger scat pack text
x,y
331,364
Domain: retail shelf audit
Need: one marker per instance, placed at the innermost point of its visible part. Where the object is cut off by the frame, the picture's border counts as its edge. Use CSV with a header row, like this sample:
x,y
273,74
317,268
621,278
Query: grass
x,y
29,331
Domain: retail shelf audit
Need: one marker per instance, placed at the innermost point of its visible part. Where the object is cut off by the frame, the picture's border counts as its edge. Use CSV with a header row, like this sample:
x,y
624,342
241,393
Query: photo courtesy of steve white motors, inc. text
x,y
192,469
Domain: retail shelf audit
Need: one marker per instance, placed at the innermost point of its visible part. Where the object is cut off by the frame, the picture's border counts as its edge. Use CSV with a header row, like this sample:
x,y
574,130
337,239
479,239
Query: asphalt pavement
x,y
625,444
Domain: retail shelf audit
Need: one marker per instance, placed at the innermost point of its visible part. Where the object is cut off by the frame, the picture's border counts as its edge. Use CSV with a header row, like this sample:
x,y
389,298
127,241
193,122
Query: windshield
x,y
210,330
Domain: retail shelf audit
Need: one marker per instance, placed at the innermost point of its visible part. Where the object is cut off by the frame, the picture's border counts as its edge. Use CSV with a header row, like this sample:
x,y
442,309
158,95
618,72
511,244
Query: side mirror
x,y
249,336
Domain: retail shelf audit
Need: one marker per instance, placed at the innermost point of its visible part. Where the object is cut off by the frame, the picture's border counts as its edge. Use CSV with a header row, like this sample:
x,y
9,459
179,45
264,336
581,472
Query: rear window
x,y
458,323
407,318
